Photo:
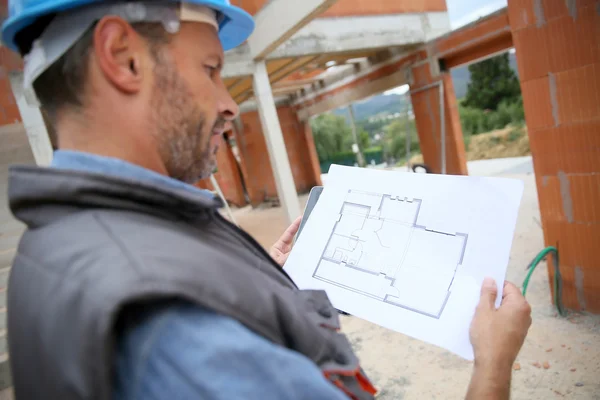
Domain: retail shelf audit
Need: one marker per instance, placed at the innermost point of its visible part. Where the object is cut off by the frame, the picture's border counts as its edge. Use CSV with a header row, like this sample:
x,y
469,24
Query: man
x,y
128,284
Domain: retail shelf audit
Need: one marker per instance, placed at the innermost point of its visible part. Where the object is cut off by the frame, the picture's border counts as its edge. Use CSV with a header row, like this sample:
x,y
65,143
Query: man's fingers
x,y
291,231
510,290
512,297
288,236
280,250
296,222
489,292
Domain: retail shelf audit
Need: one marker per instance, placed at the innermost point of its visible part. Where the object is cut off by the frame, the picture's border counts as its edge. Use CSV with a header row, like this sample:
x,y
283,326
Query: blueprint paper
x,y
408,251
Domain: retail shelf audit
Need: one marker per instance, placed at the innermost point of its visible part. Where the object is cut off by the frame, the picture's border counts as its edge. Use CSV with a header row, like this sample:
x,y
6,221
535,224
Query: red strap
x,y
365,383
362,380
343,388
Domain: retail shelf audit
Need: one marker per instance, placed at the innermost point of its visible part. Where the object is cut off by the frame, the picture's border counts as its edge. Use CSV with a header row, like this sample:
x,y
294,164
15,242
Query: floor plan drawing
x,y
378,249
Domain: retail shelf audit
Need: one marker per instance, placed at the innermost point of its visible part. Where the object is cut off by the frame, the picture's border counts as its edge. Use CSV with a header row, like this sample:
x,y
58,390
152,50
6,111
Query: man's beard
x,y
179,126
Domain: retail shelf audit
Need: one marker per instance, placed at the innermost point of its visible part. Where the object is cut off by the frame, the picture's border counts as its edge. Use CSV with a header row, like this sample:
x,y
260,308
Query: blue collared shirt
x,y
179,351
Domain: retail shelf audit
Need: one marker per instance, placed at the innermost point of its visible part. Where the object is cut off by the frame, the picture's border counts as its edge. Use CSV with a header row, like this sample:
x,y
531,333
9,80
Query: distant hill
x,y
378,104
394,103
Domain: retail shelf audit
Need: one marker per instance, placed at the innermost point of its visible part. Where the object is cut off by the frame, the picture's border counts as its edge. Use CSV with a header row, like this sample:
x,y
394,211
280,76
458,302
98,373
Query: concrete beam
x,y
251,105
344,35
298,84
238,62
344,74
236,68
479,40
278,20
348,72
348,96
286,90
282,171
336,87
336,35
292,66
278,70
33,121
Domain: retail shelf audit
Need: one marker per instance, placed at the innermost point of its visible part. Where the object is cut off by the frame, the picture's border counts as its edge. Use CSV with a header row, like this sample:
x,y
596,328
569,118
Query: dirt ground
x,y
405,368
507,142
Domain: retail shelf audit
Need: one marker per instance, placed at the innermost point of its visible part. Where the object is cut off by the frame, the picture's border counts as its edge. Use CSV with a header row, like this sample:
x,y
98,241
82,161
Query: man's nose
x,y
228,108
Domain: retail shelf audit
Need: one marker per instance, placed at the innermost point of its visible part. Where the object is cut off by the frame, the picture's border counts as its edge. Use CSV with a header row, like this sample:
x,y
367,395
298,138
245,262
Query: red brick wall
x,y
227,176
477,41
253,151
558,55
489,27
312,153
9,112
259,178
344,8
251,6
426,107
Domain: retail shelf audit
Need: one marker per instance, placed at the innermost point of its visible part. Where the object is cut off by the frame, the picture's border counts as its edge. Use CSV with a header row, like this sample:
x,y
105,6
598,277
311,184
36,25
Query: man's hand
x,y
282,248
497,336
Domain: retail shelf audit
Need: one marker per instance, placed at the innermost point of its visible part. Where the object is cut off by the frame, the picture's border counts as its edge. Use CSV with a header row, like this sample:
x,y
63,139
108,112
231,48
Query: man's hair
x,y
63,83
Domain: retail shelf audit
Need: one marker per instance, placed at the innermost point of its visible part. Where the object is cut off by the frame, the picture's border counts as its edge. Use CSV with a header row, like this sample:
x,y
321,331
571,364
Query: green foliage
x,y
495,140
332,136
364,140
492,81
373,154
343,158
395,138
349,158
333,140
466,141
514,109
516,134
475,120
373,128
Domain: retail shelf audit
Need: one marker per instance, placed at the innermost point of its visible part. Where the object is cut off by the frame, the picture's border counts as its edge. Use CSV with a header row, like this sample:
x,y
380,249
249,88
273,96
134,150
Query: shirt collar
x,y
87,162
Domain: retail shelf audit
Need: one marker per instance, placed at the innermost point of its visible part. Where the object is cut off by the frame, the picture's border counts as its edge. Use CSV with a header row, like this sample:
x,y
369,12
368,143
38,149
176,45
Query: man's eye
x,y
211,69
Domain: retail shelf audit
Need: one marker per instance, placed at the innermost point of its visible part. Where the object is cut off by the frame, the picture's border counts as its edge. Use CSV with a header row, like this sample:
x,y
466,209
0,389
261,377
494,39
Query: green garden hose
x,y
557,277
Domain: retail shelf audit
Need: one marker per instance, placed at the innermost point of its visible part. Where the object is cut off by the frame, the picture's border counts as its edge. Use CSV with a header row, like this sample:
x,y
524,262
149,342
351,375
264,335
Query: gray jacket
x,y
96,244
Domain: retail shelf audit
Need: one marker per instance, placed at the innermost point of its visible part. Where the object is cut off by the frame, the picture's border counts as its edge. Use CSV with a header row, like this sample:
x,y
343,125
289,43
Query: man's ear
x,y
119,52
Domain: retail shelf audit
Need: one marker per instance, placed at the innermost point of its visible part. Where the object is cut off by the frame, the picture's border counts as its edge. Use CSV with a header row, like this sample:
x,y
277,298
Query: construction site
x,y
322,55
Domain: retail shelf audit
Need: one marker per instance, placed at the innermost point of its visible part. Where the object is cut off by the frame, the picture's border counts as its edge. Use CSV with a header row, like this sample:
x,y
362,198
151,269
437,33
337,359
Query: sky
x,y
461,13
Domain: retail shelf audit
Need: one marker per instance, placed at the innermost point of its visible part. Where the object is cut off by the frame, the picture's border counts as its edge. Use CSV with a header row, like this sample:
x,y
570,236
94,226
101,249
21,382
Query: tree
x,y
372,127
332,135
364,140
395,138
492,81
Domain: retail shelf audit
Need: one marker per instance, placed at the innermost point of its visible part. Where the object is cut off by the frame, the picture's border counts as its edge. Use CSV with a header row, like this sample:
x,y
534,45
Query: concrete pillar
x,y
256,168
558,56
34,124
280,163
425,97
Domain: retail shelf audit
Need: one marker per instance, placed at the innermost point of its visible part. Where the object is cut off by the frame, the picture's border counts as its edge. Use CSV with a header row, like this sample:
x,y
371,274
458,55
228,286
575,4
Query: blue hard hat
x,y
235,28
